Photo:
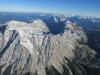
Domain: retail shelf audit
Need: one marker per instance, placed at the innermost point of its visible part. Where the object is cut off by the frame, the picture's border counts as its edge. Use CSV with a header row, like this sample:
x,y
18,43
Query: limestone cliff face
x,y
29,49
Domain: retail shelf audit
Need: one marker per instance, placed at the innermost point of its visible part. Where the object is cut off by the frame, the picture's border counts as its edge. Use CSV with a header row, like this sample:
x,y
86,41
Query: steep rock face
x,y
27,48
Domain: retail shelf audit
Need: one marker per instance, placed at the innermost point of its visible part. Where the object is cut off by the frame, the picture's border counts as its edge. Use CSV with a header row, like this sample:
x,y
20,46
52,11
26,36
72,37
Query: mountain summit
x,y
28,49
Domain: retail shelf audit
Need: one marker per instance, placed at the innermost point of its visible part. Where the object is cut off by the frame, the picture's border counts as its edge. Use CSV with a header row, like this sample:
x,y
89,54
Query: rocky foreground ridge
x,y
30,49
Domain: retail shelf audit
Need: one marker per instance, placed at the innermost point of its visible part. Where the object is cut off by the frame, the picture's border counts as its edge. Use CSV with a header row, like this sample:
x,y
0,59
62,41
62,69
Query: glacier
x,y
29,48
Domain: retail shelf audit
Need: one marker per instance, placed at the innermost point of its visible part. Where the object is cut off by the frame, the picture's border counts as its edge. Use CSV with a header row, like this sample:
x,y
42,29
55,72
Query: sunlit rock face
x,y
28,49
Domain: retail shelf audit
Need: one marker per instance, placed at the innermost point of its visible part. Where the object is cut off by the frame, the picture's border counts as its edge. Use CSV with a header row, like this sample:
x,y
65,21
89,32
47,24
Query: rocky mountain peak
x,y
26,49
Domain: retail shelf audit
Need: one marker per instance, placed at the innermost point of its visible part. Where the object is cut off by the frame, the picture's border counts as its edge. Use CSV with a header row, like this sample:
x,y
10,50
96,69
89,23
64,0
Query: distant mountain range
x,y
91,23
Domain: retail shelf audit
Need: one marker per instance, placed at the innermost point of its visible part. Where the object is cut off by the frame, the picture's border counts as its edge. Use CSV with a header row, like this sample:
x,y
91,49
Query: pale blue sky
x,y
79,7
